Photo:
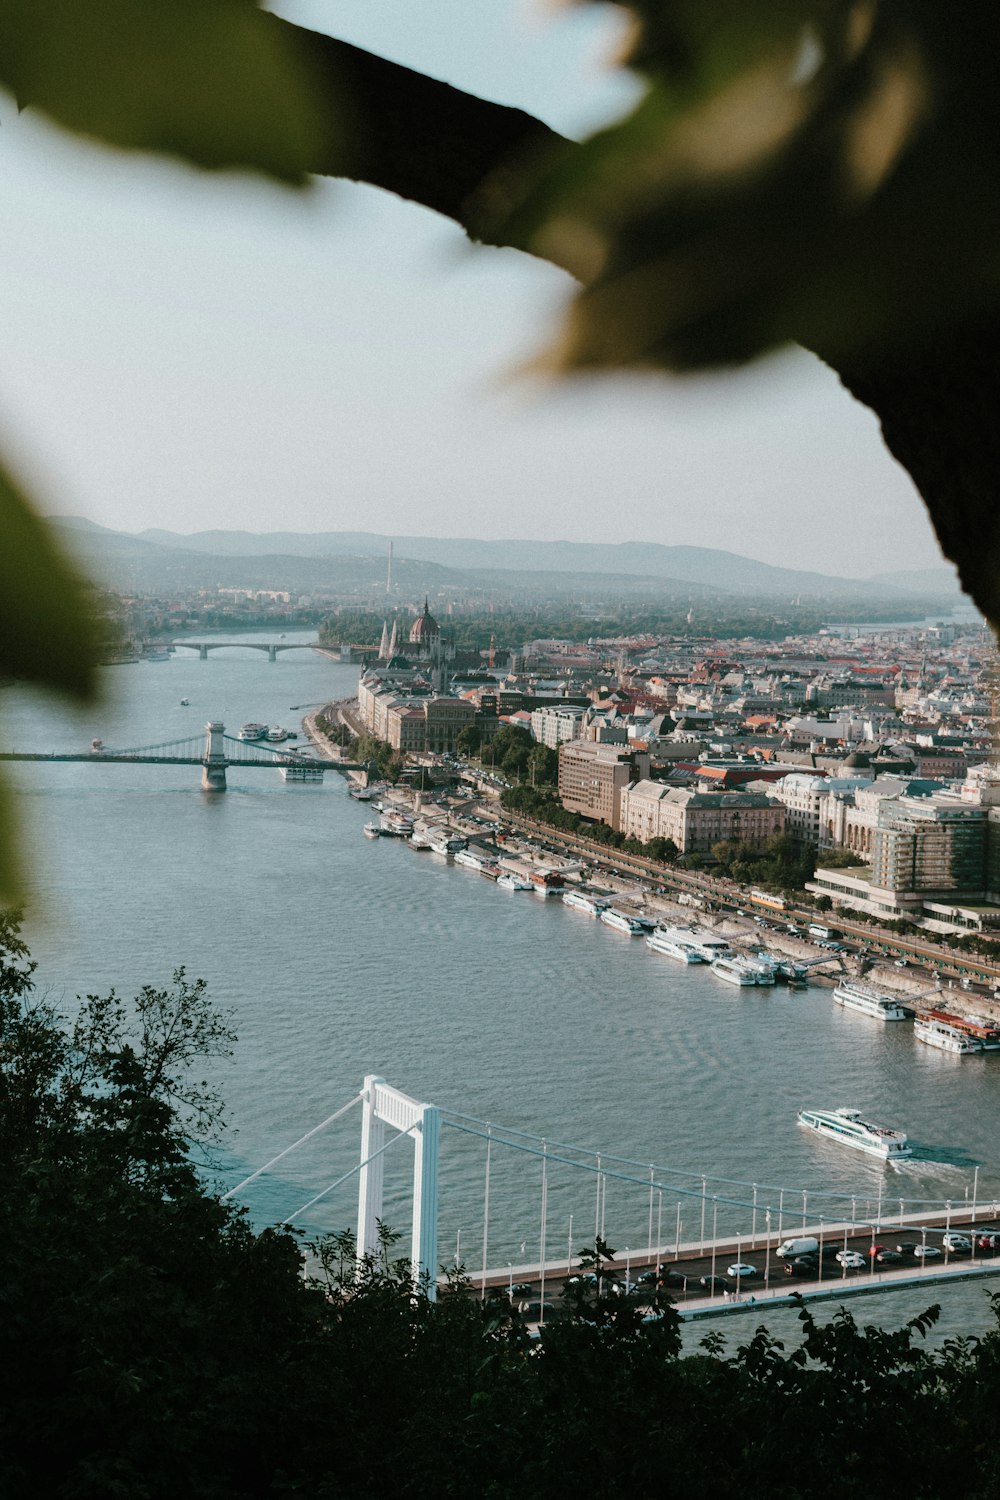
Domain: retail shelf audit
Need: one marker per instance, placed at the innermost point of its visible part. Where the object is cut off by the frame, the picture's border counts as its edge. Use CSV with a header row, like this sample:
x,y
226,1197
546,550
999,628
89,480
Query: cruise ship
x,y
854,995
739,971
592,905
621,921
303,772
396,825
253,731
672,941
847,1126
946,1037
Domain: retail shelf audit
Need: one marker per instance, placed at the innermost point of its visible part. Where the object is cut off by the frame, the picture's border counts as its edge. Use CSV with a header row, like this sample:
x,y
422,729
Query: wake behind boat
x,y
848,1127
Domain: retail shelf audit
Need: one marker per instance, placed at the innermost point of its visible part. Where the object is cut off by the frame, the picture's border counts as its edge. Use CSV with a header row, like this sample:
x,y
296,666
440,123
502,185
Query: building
x,y
556,722
697,820
592,777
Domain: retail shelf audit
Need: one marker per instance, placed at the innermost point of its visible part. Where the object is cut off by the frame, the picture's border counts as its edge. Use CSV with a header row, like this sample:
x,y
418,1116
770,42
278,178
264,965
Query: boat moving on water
x,y
848,1127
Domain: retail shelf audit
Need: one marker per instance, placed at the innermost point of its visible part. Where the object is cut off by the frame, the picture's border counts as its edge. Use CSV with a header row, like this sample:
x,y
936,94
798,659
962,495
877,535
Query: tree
x,y
469,740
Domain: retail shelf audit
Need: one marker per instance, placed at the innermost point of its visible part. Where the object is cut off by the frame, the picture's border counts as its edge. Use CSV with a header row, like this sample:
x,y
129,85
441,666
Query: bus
x,y
817,930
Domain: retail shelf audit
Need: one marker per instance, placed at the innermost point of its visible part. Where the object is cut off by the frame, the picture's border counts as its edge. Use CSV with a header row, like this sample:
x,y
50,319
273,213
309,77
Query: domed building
x,y
425,632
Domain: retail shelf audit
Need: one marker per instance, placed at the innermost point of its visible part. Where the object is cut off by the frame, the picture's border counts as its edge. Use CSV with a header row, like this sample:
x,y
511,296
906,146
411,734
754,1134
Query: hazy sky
x,y
190,351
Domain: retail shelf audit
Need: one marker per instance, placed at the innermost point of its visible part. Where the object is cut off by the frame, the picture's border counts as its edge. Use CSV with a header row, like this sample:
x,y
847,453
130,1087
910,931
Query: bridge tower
x,y
213,776
384,1105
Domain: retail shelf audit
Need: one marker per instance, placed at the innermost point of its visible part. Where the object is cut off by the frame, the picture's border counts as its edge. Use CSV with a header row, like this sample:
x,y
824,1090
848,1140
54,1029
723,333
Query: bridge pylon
x,y
213,774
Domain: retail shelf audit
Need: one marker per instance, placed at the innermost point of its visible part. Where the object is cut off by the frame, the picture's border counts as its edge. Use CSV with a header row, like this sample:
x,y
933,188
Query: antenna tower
x,y
388,575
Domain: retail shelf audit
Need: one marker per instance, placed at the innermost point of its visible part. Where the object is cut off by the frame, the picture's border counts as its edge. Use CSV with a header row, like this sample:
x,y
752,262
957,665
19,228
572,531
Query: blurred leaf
x,y
820,171
213,81
46,634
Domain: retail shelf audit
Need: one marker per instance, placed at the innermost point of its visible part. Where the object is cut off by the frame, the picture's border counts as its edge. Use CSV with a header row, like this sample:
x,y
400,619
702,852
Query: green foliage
x,y
783,861
154,1345
770,184
839,859
469,740
211,81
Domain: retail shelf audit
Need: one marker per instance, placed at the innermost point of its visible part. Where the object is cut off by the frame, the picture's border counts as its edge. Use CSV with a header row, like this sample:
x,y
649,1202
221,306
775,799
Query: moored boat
x,y
579,901
670,940
510,882
854,995
372,831
945,1037
621,921
848,1127
736,971
253,731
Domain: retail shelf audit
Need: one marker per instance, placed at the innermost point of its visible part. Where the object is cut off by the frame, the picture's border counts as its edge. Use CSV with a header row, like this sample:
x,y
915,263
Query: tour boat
x,y
592,905
980,1031
948,1038
361,793
670,940
854,995
509,882
372,831
621,921
472,858
707,943
396,824
253,731
446,844
277,734
304,773
737,971
847,1126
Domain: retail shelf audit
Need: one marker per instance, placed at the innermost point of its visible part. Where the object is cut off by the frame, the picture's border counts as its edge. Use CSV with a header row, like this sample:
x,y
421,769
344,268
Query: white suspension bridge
x,y
689,1217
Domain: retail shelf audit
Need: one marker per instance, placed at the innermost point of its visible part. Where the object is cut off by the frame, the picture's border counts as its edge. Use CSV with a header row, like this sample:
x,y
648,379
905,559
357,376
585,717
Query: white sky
x,y
191,351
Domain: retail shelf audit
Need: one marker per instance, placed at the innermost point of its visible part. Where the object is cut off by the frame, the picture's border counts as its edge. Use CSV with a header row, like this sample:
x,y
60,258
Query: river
x,y
340,957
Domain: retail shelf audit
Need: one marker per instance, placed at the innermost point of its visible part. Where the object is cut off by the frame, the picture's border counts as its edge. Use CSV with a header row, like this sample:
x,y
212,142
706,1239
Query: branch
x,y
419,138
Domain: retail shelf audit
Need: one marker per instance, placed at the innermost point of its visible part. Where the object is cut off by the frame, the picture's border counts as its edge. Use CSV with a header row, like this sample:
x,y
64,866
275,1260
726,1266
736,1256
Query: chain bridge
x,y
215,751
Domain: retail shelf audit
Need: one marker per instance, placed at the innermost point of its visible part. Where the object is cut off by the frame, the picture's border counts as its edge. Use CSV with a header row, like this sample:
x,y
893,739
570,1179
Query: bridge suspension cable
x,y
293,1147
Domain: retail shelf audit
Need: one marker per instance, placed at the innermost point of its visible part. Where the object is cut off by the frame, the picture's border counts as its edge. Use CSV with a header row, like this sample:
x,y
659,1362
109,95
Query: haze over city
x,y
184,351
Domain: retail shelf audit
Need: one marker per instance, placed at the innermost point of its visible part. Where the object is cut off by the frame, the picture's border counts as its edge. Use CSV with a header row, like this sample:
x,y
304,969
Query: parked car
x,y
740,1268
899,963
853,1260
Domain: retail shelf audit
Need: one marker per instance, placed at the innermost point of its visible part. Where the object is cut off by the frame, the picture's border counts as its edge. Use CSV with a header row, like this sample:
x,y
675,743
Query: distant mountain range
x,y
355,559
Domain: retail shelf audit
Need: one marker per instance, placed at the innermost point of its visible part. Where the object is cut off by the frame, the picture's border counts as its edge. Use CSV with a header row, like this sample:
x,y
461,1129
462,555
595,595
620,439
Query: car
x,y
741,1268
889,1258
521,1289
899,963
926,1252
988,1239
713,1283
876,1250
851,1260
806,1266
956,1244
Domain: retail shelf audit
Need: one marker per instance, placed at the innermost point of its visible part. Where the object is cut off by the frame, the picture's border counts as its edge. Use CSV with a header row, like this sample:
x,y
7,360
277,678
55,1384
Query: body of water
x,y
340,957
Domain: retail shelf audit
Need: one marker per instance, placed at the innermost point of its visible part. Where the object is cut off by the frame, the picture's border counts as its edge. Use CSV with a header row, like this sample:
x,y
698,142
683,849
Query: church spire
x,y
392,642
383,650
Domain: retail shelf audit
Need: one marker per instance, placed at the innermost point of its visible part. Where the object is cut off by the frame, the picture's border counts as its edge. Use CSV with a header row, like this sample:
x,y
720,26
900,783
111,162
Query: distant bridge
x,y
271,647
215,753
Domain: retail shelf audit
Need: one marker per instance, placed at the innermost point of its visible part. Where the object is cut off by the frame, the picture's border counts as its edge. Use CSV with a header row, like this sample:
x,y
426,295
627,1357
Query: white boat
x,y
277,734
736,971
396,824
854,995
302,773
669,940
621,921
764,967
361,793
253,731
592,905
471,858
446,844
847,1126
420,838
372,831
947,1038
705,942
509,882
